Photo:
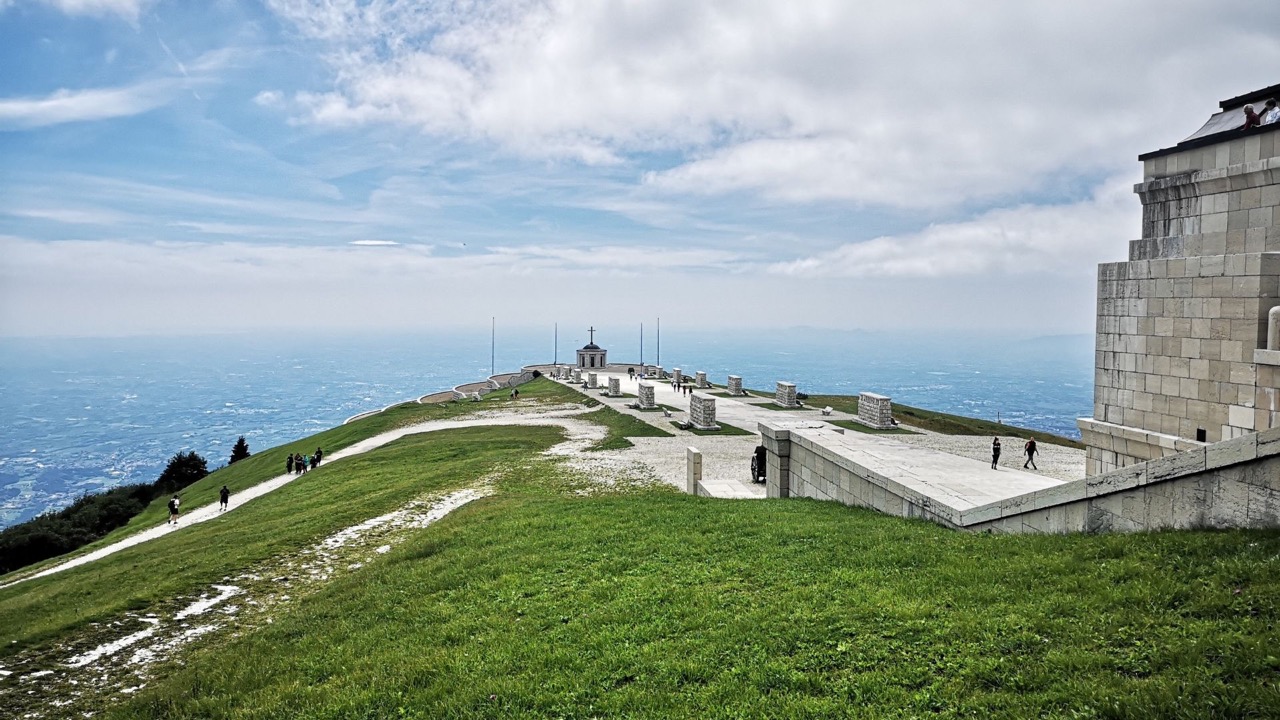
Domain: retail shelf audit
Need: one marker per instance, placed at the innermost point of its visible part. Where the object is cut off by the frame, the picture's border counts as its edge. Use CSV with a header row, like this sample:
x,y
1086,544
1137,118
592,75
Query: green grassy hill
x,y
556,597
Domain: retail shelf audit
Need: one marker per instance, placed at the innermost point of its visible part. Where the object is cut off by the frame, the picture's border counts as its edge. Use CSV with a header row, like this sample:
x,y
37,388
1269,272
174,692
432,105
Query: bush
x,y
240,451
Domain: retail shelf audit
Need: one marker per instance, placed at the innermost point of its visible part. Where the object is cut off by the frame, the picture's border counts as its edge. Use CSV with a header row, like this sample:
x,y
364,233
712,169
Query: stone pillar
x,y
735,386
676,377
1273,328
875,411
646,396
576,375
615,387
592,381
702,380
702,412
693,470
777,445
785,395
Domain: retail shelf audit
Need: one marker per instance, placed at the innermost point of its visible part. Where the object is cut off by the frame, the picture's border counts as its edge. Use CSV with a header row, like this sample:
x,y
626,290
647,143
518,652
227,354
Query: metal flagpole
x,y
557,355
642,348
493,339
658,362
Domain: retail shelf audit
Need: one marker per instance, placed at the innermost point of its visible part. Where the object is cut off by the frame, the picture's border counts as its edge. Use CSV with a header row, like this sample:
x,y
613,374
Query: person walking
x,y
173,511
223,496
1030,449
995,453
288,465
319,454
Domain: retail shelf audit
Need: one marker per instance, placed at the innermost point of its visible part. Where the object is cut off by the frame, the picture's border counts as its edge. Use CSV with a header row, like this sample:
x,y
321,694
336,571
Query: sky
x,y
183,167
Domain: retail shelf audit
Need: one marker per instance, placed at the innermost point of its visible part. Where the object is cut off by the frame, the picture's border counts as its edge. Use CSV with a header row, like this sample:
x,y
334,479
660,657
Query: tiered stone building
x,y
1183,356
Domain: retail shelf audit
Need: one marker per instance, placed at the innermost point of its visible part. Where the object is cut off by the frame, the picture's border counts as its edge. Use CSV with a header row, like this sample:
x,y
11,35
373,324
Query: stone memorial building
x,y
1183,354
592,355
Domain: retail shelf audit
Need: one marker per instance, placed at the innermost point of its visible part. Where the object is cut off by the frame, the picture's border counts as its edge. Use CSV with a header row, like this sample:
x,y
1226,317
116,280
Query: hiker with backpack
x,y
173,511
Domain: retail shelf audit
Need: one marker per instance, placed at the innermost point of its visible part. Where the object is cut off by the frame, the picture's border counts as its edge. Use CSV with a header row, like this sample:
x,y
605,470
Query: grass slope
x,y
670,606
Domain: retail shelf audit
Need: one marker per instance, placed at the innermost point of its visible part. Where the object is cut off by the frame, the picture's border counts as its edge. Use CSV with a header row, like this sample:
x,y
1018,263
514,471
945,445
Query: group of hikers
x,y
1029,448
297,464
294,463
224,496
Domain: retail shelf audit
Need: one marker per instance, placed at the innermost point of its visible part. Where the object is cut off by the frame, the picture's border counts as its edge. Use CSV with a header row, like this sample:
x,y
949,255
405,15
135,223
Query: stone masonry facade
x,y
1181,323
875,410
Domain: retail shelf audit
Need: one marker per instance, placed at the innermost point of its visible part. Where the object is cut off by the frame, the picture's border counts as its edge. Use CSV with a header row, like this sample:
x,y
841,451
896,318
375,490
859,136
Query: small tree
x,y
183,469
240,451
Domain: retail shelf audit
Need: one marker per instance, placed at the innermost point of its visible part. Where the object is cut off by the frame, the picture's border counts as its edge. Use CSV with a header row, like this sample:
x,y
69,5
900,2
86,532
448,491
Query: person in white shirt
x,y
1271,113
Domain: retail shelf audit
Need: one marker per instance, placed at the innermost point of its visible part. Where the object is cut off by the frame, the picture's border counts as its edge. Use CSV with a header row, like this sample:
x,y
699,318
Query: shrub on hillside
x,y
240,451
182,470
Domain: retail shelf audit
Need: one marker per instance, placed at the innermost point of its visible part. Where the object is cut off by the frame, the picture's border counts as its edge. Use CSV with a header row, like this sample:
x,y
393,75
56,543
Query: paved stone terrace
x,y
954,469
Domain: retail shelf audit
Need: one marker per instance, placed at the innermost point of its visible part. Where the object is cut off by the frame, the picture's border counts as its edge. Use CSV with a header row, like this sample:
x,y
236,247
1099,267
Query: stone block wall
x,y
702,412
1178,324
735,386
785,395
875,410
593,380
615,387
676,376
701,380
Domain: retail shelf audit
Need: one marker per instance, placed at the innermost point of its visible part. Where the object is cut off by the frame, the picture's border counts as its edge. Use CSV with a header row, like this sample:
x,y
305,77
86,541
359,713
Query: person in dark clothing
x,y
224,495
288,465
995,453
173,510
319,454
1031,451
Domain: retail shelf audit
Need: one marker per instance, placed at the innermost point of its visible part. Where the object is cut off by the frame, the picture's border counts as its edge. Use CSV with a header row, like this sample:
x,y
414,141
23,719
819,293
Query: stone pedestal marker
x,y
702,412
592,381
646,396
875,411
693,470
735,386
676,377
615,387
701,380
785,395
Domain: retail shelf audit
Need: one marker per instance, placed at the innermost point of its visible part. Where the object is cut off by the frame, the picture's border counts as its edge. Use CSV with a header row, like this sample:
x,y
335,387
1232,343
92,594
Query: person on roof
x,y
1250,118
1271,113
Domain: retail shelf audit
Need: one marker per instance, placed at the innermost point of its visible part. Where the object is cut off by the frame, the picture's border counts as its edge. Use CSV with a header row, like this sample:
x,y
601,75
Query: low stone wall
x,y
1234,483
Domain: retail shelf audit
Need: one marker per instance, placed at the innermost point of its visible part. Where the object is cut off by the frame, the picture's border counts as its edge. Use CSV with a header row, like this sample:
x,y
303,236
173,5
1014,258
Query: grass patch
x,y
725,429
665,606
944,422
859,427
770,405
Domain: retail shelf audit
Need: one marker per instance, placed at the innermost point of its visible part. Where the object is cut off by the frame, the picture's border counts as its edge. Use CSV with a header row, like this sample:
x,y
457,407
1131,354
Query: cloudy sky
x,y
172,166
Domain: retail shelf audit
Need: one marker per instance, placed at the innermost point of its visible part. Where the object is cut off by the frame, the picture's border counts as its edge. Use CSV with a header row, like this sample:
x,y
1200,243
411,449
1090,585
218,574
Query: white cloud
x,y
905,105
269,98
1027,239
117,287
374,243
127,9
64,106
